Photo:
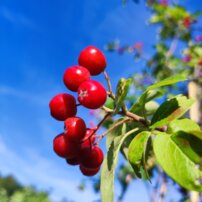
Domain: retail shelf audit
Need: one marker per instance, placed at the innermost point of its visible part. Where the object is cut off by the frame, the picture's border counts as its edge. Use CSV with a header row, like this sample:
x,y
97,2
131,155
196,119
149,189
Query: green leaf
x,y
151,92
114,142
121,93
167,81
137,151
180,163
146,97
170,110
127,141
190,145
185,125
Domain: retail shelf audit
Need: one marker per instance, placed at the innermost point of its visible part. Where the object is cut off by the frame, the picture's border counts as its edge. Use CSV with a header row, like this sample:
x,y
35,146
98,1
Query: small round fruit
x,y
89,172
88,142
64,148
92,94
63,106
73,161
93,59
74,76
200,62
91,157
75,129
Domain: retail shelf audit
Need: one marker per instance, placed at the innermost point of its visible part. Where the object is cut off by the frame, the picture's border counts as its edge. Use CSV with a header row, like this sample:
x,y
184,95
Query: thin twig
x,y
110,93
106,109
97,127
127,113
113,127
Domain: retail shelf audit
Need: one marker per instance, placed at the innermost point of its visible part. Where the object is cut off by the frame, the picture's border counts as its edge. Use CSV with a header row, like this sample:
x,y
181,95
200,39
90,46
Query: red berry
x,y
91,157
64,148
63,106
200,62
92,94
93,59
74,76
73,161
89,172
75,129
187,22
88,142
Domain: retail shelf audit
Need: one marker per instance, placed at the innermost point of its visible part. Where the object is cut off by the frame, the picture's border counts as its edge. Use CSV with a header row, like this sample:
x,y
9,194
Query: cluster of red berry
x,y
77,143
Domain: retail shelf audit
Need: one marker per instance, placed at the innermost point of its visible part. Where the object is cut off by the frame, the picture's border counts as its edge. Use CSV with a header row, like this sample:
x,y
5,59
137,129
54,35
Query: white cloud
x,y
16,18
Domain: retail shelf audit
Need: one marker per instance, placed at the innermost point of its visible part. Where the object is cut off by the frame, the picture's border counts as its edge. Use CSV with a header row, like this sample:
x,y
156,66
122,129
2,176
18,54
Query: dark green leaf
x,y
170,110
180,163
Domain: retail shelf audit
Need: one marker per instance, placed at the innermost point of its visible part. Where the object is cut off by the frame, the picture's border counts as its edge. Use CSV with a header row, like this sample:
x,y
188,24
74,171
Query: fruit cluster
x,y
77,143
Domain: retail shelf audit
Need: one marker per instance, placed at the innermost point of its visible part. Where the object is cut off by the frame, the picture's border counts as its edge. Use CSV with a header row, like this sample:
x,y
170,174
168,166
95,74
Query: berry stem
x,y
115,126
110,93
127,113
98,126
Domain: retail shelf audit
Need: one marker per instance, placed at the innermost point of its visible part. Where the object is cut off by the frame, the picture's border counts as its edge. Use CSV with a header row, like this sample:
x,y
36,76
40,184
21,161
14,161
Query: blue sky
x,y
38,41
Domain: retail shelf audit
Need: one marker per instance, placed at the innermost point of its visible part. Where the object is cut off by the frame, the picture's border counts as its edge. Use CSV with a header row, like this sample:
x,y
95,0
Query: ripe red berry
x,y
89,172
74,76
200,62
73,161
64,148
91,157
187,22
92,94
63,106
93,59
88,142
75,129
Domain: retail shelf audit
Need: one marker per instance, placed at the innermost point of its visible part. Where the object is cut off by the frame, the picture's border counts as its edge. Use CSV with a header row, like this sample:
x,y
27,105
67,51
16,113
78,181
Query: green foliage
x,y
185,125
121,93
183,167
170,110
137,152
13,191
153,92
10,184
114,142
164,134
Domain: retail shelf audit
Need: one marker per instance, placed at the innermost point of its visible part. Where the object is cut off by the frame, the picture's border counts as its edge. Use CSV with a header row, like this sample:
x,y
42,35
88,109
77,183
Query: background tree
x,y
12,191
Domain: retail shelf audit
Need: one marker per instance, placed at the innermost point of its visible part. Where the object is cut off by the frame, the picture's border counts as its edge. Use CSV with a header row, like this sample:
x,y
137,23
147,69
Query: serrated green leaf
x,y
176,162
185,125
121,93
136,152
114,143
171,110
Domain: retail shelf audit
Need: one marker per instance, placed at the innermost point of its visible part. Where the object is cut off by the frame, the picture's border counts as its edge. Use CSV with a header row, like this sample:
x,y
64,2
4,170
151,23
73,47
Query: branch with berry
x,y
139,131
